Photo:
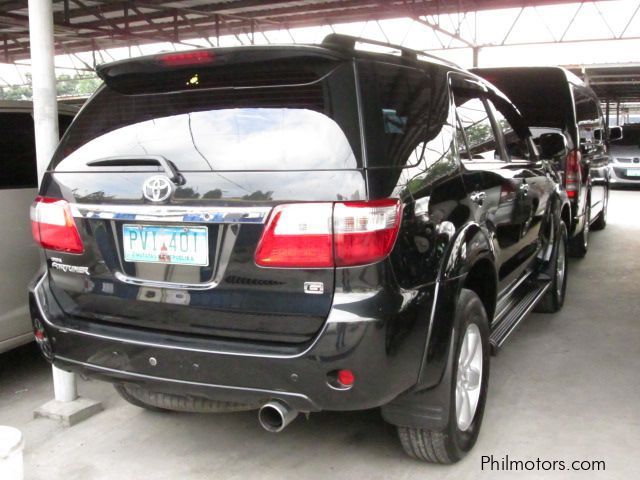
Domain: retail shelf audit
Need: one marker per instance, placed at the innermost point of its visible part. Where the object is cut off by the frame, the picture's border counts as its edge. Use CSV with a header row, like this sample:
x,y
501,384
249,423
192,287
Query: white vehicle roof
x,y
27,106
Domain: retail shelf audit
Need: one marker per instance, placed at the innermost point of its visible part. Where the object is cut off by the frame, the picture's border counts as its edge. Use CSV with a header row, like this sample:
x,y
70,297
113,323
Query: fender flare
x,y
426,405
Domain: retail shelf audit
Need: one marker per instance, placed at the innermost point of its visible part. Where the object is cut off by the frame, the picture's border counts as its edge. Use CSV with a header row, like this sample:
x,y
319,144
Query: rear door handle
x,y
478,197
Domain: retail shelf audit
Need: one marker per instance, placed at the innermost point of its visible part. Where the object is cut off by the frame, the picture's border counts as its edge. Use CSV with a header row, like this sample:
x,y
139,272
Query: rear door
x,y
496,189
171,185
18,187
592,138
537,186
18,254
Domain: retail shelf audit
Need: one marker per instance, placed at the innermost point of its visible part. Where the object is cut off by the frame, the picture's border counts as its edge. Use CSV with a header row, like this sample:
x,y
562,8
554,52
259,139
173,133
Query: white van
x,y
19,255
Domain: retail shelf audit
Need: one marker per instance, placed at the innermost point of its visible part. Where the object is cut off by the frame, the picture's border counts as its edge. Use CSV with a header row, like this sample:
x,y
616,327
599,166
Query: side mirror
x,y
552,144
615,133
597,134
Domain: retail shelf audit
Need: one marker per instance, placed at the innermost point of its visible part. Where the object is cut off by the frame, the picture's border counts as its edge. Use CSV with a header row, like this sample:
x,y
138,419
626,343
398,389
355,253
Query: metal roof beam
x,y
438,28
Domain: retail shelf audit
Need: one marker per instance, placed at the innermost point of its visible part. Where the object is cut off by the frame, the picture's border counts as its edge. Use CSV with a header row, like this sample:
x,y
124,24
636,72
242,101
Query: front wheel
x,y
468,394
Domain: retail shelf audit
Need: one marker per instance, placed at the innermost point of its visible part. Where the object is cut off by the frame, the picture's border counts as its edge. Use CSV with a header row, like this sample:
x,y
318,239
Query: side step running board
x,y
517,313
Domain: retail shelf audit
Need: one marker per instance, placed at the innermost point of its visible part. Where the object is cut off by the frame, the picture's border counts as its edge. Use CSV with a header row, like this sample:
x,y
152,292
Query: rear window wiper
x,y
140,161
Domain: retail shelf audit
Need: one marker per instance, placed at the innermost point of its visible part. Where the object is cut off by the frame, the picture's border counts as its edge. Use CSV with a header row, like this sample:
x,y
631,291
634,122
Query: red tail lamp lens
x,y
365,232
346,377
196,57
297,235
324,235
53,226
573,174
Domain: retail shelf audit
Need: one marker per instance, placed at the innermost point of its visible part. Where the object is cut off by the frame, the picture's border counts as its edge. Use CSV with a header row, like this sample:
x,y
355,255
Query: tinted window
x,y
312,125
17,151
541,95
476,138
630,136
516,146
588,116
63,123
403,108
433,160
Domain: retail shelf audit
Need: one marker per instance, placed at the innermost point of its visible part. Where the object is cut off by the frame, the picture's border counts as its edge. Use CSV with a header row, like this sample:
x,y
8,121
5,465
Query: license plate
x,y
633,173
170,245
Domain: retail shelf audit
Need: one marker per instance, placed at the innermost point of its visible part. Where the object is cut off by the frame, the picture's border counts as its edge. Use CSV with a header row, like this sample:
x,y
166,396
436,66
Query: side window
x,y
434,159
590,125
476,138
409,124
517,147
405,109
64,121
17,151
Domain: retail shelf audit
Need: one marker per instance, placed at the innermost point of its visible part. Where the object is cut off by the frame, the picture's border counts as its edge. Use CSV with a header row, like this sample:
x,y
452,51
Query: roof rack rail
x,y
348,42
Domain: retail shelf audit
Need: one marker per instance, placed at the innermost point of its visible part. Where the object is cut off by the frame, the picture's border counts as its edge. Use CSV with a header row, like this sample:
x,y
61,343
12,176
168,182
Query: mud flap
x,y
427,408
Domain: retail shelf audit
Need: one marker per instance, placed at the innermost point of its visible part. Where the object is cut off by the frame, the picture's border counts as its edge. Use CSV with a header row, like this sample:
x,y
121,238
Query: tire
x,y
579,243
553,299
453,443
134,400
601,222
164,402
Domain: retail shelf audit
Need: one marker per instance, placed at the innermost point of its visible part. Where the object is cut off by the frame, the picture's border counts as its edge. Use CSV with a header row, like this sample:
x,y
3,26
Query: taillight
x,y
323,235
364,232
297,235
507,192
573,175
53,227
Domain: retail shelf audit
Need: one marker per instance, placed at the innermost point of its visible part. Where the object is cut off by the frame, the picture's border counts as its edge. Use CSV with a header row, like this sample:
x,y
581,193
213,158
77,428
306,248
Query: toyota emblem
x,y
157,189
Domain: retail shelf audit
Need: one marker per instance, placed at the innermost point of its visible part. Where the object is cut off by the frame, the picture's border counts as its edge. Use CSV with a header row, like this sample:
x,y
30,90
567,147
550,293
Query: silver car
x,y
18,187
624,167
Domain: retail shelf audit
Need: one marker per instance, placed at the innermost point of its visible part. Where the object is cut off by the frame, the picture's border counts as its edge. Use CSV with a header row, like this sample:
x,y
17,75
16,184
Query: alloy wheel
x,y
469,378
561,267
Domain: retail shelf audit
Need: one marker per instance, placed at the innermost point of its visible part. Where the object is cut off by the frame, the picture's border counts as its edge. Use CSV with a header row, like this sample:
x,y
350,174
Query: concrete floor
x,y
565,387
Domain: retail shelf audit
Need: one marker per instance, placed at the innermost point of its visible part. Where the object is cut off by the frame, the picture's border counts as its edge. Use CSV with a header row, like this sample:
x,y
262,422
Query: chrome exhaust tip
x,y
275,415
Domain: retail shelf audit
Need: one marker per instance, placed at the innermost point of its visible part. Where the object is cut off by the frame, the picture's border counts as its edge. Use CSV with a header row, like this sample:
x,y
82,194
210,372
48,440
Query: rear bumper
x,y
376,334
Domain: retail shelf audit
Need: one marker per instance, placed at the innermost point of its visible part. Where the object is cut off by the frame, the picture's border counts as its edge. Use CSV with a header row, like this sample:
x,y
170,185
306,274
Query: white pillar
x,y
64,385
11,446
45,117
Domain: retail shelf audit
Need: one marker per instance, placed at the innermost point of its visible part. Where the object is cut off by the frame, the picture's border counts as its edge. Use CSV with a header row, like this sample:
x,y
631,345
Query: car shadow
x,y
21,363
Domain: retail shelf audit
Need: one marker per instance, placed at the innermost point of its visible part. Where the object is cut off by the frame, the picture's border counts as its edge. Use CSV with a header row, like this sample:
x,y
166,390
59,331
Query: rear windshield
x,y
542,97
310,124
630,136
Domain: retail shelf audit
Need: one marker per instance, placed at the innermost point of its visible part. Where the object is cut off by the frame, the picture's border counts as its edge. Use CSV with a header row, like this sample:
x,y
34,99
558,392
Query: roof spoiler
x,y
348,42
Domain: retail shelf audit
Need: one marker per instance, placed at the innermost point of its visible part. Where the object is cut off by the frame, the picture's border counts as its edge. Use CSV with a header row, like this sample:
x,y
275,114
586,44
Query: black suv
x,y
295,229
553,100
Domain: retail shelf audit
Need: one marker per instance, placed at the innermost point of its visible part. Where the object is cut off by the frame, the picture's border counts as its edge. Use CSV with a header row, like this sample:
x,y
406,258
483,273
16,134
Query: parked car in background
x,y
552,99
624,169
19,255
295,229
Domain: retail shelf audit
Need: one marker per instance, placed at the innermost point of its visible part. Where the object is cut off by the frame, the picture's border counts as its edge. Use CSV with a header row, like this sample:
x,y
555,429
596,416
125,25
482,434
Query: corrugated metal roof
x,y
85,25
616,82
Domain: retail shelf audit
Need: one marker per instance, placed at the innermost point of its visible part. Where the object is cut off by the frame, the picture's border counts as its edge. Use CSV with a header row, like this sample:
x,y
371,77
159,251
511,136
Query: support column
x,y
476,56
45,106
66,406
